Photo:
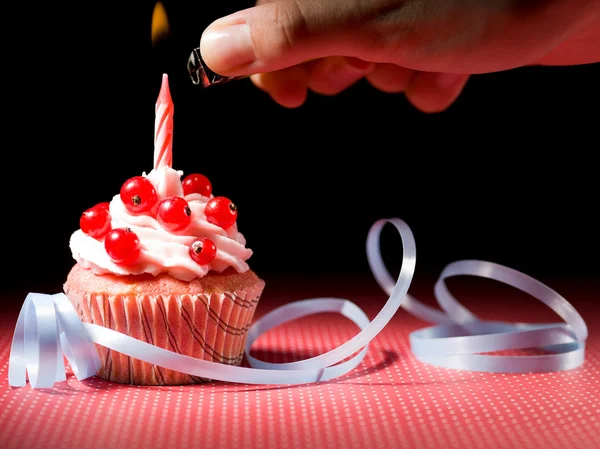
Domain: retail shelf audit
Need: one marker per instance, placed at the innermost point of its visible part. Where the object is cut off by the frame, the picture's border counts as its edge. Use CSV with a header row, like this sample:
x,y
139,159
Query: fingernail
x,y
227,48
447,80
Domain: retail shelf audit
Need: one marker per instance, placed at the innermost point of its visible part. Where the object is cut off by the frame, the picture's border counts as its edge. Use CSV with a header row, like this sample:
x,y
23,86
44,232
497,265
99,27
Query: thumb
x,y
276,35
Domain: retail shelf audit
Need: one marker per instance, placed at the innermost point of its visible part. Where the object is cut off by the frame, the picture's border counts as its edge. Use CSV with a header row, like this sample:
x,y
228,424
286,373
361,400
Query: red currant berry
x,y
203,251
173,213
196,183
221,211
138,195
95,221
105,205
123,246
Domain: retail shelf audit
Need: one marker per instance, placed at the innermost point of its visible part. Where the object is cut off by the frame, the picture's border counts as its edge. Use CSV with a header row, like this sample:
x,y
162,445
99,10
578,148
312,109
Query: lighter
x,y
203,76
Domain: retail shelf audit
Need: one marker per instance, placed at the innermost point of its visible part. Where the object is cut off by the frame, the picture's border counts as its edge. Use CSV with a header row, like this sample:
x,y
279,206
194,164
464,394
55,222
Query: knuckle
x,y
290,23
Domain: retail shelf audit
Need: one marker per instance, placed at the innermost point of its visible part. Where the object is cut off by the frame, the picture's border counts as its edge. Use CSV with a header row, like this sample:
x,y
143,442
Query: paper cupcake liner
x,y
206,326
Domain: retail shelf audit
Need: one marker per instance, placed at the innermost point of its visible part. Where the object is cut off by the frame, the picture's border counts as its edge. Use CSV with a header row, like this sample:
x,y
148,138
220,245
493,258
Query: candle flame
x,y
160,23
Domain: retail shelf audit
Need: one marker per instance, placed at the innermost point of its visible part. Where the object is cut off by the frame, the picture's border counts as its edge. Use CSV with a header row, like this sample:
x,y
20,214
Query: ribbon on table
x,y
48,327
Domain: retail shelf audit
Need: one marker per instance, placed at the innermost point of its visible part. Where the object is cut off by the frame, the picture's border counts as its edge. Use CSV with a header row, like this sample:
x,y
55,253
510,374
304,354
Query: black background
x,y
507,174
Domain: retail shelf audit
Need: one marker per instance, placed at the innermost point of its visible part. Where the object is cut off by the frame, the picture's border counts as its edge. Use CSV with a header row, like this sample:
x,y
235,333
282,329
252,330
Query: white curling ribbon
x,y
49,327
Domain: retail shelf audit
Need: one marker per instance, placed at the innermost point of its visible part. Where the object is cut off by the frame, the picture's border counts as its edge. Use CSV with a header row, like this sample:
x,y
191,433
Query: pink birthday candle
x,y
163,127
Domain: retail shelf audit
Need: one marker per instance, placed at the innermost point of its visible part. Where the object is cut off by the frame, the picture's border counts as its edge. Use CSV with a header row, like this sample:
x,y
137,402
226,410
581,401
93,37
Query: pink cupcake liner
x,y
205,326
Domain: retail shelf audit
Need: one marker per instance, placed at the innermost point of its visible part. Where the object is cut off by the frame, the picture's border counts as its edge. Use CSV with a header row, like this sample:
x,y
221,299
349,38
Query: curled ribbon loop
x,y
462,345
49,327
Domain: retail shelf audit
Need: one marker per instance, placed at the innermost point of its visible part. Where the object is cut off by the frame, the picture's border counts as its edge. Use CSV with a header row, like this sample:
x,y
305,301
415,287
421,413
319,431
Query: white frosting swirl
x,y
163,251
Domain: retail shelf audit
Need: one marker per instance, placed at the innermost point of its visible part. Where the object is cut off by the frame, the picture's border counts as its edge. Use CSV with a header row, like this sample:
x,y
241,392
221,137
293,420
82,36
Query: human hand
x,y
424,48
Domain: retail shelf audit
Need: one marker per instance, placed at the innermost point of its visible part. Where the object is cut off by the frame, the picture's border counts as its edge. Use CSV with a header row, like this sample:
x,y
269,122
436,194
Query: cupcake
x,y
164,262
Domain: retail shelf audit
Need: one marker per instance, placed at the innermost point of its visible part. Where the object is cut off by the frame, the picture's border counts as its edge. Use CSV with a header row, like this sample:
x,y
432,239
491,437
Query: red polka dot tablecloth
x,y
391,400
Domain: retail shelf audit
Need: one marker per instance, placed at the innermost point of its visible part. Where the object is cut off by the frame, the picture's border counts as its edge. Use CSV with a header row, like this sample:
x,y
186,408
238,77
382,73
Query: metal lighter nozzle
x,y
201,75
